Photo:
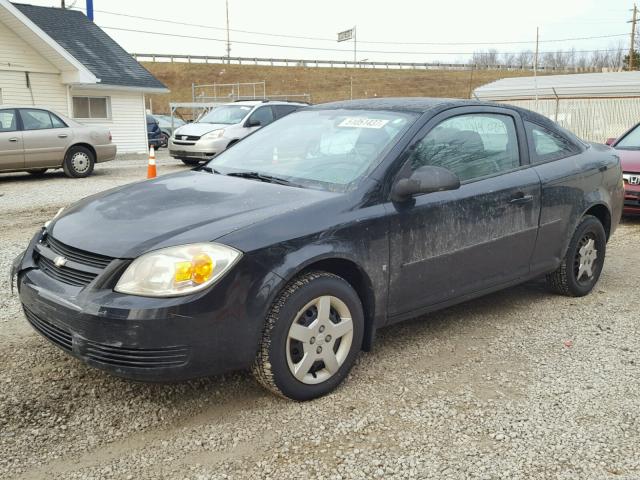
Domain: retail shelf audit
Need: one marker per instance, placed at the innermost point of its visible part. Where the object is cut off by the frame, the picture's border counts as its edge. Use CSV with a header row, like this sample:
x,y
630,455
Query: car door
x,y
446,245
45,136
11,147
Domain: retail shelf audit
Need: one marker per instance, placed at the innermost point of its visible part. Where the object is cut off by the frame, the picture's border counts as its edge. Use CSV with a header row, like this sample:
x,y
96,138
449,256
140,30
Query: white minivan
x,y
223,126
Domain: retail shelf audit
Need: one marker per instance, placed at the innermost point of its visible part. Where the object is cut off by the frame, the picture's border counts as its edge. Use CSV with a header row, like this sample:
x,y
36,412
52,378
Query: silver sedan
x,y
36,139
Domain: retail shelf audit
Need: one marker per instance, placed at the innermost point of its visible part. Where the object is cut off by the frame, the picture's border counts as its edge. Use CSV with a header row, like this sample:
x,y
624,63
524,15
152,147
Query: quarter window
x,y
8,121
91,108
471,146
546,145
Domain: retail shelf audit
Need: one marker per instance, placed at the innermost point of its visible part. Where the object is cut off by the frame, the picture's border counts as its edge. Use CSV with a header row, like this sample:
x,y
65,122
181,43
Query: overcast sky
x,y
490,21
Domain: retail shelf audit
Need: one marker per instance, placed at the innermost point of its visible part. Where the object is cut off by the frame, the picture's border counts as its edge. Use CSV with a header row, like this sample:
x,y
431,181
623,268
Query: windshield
x,y
227,114
631,141
325,149
165,121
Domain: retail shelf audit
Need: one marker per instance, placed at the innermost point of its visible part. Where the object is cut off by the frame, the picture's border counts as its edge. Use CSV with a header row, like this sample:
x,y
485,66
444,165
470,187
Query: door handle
x,y
521,199
14,139
63,135
603,168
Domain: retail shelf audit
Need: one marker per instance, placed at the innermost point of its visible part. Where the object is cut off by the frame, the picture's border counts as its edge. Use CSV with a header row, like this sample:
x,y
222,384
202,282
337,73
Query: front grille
x,y
81,267
190,138
135,357
76,255
66,275
54,334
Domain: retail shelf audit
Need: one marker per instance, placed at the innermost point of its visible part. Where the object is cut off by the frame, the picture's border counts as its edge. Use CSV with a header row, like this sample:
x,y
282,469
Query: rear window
x,y
546,145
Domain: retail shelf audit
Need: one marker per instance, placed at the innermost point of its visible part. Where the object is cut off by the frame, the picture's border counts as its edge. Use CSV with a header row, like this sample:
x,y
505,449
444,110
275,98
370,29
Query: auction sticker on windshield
x,y
360,122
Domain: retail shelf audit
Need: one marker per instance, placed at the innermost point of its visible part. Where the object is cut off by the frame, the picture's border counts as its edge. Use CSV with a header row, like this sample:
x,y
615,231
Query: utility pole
x,y
228,42
355,55
633,37
535,64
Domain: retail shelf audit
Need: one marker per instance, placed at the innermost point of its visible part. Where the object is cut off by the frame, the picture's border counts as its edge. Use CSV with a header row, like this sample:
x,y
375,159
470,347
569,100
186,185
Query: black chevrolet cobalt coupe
x,y
287,252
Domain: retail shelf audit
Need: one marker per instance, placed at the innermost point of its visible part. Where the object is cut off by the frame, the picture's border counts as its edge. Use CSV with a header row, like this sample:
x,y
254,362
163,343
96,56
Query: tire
x,y
38,172
79,162
581,267
279,354
190,161
164,142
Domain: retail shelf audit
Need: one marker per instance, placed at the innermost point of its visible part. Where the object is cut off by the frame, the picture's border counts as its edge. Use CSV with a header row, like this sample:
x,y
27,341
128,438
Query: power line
x,y
298,37
177,35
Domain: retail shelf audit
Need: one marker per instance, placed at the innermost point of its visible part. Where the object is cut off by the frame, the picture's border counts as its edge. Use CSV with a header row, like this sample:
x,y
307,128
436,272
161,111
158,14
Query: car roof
x,y
399,104
266,102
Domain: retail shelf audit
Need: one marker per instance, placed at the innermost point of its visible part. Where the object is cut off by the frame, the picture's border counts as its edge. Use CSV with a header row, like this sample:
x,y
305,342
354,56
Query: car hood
x,y
630,160
187,207
199,129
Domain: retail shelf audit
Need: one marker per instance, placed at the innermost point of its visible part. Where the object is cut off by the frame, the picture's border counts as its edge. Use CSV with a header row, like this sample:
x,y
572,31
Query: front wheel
x,y
311,338
79,162
581,268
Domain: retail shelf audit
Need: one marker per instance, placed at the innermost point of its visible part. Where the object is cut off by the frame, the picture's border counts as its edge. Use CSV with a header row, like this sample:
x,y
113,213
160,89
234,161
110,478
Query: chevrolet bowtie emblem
x,y
59,261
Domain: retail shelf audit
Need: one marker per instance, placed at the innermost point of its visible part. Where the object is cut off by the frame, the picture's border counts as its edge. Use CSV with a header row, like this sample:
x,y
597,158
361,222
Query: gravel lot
x,y
520,384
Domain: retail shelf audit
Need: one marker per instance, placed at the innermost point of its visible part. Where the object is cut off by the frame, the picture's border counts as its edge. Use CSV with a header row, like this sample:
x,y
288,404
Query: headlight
x,y
214,134
48,222
174,271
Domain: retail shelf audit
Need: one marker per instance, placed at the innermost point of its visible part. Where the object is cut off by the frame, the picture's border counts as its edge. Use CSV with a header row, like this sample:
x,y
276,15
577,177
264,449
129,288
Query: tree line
x,y
612,58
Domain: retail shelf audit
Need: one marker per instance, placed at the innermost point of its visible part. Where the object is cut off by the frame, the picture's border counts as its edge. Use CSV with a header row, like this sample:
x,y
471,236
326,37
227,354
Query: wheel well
x,y
601,213
360,282
233,142
85,145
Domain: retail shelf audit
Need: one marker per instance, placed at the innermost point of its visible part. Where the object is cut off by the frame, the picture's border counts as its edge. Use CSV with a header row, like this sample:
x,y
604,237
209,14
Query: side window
x,y
8,121
546,145
284,110
57,122
471,146
264,115
35,119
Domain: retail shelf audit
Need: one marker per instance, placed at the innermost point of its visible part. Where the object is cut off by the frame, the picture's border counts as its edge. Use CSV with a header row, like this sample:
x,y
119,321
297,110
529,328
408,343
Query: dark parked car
x,y
628,148
154,132
287,252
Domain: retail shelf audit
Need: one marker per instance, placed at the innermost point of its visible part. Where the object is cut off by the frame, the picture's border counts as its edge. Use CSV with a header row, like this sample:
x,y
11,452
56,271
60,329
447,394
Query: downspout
x,y
90,10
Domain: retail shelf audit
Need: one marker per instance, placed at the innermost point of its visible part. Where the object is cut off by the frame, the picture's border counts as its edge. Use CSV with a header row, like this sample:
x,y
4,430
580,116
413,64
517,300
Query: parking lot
x,y
519,384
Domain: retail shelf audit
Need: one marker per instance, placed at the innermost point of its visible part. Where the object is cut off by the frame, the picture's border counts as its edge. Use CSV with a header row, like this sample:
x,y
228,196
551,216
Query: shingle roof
x,y
92,47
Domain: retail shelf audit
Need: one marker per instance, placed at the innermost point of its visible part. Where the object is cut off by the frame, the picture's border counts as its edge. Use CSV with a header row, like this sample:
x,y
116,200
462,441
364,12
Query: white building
x,y
61,60
595,106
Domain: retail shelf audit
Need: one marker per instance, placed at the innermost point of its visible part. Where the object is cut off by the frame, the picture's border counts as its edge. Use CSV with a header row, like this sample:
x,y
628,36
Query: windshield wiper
x,y
262,178
208,169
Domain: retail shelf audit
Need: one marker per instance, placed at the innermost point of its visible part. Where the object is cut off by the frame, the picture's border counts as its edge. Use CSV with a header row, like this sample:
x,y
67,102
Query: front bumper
x,y
200,149
631,199
105,153
150,339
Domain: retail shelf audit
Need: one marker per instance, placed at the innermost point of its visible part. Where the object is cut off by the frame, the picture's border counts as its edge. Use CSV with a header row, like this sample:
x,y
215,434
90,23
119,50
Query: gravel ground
x,y
519,384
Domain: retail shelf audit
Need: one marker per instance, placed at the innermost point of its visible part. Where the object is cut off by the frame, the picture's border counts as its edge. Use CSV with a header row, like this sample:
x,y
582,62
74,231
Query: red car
x,y
628,147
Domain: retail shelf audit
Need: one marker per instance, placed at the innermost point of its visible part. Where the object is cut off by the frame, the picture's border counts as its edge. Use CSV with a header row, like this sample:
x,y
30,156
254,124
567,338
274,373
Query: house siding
x,y
128,122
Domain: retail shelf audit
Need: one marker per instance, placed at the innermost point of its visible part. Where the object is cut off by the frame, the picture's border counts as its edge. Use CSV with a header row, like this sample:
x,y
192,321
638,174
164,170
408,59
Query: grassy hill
x,y
324,84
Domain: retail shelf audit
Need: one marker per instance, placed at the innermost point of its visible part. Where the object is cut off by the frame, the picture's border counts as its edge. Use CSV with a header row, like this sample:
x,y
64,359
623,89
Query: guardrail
x,y
289,62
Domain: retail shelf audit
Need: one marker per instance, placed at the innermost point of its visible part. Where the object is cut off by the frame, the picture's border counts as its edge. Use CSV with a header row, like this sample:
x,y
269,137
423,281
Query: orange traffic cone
x,y
151,167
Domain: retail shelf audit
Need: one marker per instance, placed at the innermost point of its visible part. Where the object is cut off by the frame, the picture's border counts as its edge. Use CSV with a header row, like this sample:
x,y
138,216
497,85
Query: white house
x,y
595,106
61,60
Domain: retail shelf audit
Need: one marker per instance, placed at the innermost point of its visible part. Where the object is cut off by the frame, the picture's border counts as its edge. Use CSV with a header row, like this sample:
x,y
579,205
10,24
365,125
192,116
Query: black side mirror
x,y
253,122
426,179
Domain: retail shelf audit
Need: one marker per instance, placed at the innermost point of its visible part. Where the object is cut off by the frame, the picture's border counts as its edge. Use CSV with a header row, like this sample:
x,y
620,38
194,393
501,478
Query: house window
x,y
91,108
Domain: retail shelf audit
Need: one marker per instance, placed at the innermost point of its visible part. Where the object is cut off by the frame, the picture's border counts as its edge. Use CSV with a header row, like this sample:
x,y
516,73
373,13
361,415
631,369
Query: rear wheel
x,y
581,268
190,161
164,140
79,162
312,336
